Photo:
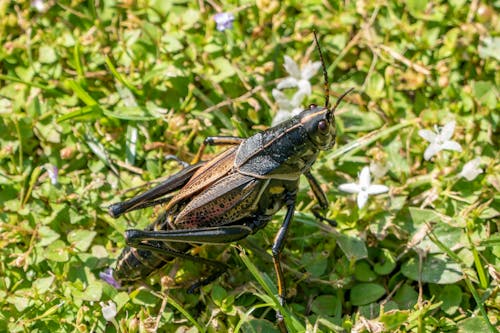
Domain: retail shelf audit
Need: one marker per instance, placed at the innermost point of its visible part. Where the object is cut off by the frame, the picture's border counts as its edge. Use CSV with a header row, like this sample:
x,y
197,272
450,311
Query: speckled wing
x,y
226,201
208,174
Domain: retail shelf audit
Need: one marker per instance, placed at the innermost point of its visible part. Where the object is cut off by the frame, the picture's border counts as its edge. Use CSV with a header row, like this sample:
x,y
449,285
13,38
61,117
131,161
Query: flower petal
x,y
362,199
350,188
427,135
291,67
447,131
304,87
297,99
471,169
289,82
310,69
283,102
432,150
377,189
364,177
451,145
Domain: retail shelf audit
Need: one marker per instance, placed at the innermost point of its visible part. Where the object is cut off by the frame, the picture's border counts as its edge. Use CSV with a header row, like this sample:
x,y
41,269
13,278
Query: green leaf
x,y
47,55
353,247
366,293
46,236
435,269
385,263
392,320
223,69
81,239
486,93
218,294
363,272
406,297
451,296
326,305
473,325
42,285
57,251
375,86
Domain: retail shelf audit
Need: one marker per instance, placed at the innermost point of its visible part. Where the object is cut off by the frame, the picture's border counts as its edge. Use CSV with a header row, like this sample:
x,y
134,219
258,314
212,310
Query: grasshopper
x,y
230,196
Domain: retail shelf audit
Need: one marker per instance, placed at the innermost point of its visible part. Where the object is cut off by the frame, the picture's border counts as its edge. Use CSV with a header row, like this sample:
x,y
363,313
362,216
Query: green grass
x,y
105,92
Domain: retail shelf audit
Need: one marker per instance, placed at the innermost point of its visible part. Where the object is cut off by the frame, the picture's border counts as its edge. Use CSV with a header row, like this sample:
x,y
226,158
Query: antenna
x,y
325,74
342,97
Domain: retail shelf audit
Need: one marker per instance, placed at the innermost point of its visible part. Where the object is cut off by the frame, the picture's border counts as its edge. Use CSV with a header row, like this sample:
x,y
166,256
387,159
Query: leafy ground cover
x,y
94,97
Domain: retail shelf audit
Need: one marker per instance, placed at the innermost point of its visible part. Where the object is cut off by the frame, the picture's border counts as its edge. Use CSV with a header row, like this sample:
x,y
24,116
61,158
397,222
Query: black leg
x,y
215,235
216,140
219,267
279,243
317,191
321,197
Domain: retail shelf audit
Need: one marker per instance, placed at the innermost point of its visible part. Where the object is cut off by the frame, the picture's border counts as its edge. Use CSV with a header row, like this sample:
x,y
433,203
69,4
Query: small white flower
x,y
471,169
364,188
287,108
109,310
439,140
39,5
224,20
299,78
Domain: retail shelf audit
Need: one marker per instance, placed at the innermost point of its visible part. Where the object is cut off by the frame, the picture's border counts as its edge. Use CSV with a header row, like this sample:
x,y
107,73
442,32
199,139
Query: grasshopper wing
x,y
150,197
211,172
226,201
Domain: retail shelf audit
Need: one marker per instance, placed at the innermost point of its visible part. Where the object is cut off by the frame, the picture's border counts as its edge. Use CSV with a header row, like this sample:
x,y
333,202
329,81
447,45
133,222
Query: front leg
x,y
215,141
320,196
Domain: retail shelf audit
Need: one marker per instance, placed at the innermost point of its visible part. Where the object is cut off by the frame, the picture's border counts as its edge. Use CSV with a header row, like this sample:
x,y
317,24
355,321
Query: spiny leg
x,y
279,243
321,197
215,235
220,267
216,140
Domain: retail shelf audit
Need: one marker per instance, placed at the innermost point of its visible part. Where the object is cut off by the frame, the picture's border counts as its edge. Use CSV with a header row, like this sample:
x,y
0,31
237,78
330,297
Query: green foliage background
x,y
105,90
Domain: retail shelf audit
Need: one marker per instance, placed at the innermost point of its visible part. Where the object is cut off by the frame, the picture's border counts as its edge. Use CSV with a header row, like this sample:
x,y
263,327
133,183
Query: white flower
x,y
109,310
364,188
299,78
224,21
439,140
287,108
39,5
471,169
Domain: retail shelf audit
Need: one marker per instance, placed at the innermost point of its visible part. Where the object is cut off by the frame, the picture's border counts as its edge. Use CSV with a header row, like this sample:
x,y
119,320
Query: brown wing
x,y
208,174
228,200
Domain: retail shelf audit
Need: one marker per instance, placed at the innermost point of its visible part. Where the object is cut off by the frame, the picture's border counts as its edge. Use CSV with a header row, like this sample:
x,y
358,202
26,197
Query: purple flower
x,y
108,277
224,20
53,172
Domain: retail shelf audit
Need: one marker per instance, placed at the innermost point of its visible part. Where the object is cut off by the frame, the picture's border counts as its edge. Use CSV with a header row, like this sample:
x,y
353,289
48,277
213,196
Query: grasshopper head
x,y
319,122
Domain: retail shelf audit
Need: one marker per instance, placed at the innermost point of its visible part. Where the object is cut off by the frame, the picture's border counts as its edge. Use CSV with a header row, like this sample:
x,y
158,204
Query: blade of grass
x,y
271,292
186,314
351,148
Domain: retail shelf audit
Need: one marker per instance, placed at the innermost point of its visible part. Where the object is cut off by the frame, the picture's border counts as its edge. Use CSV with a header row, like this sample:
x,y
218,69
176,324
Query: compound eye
x,y
322,126
312,106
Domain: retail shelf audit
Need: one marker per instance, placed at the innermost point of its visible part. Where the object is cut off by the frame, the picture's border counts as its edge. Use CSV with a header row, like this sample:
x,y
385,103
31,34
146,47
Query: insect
x,y
229,197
